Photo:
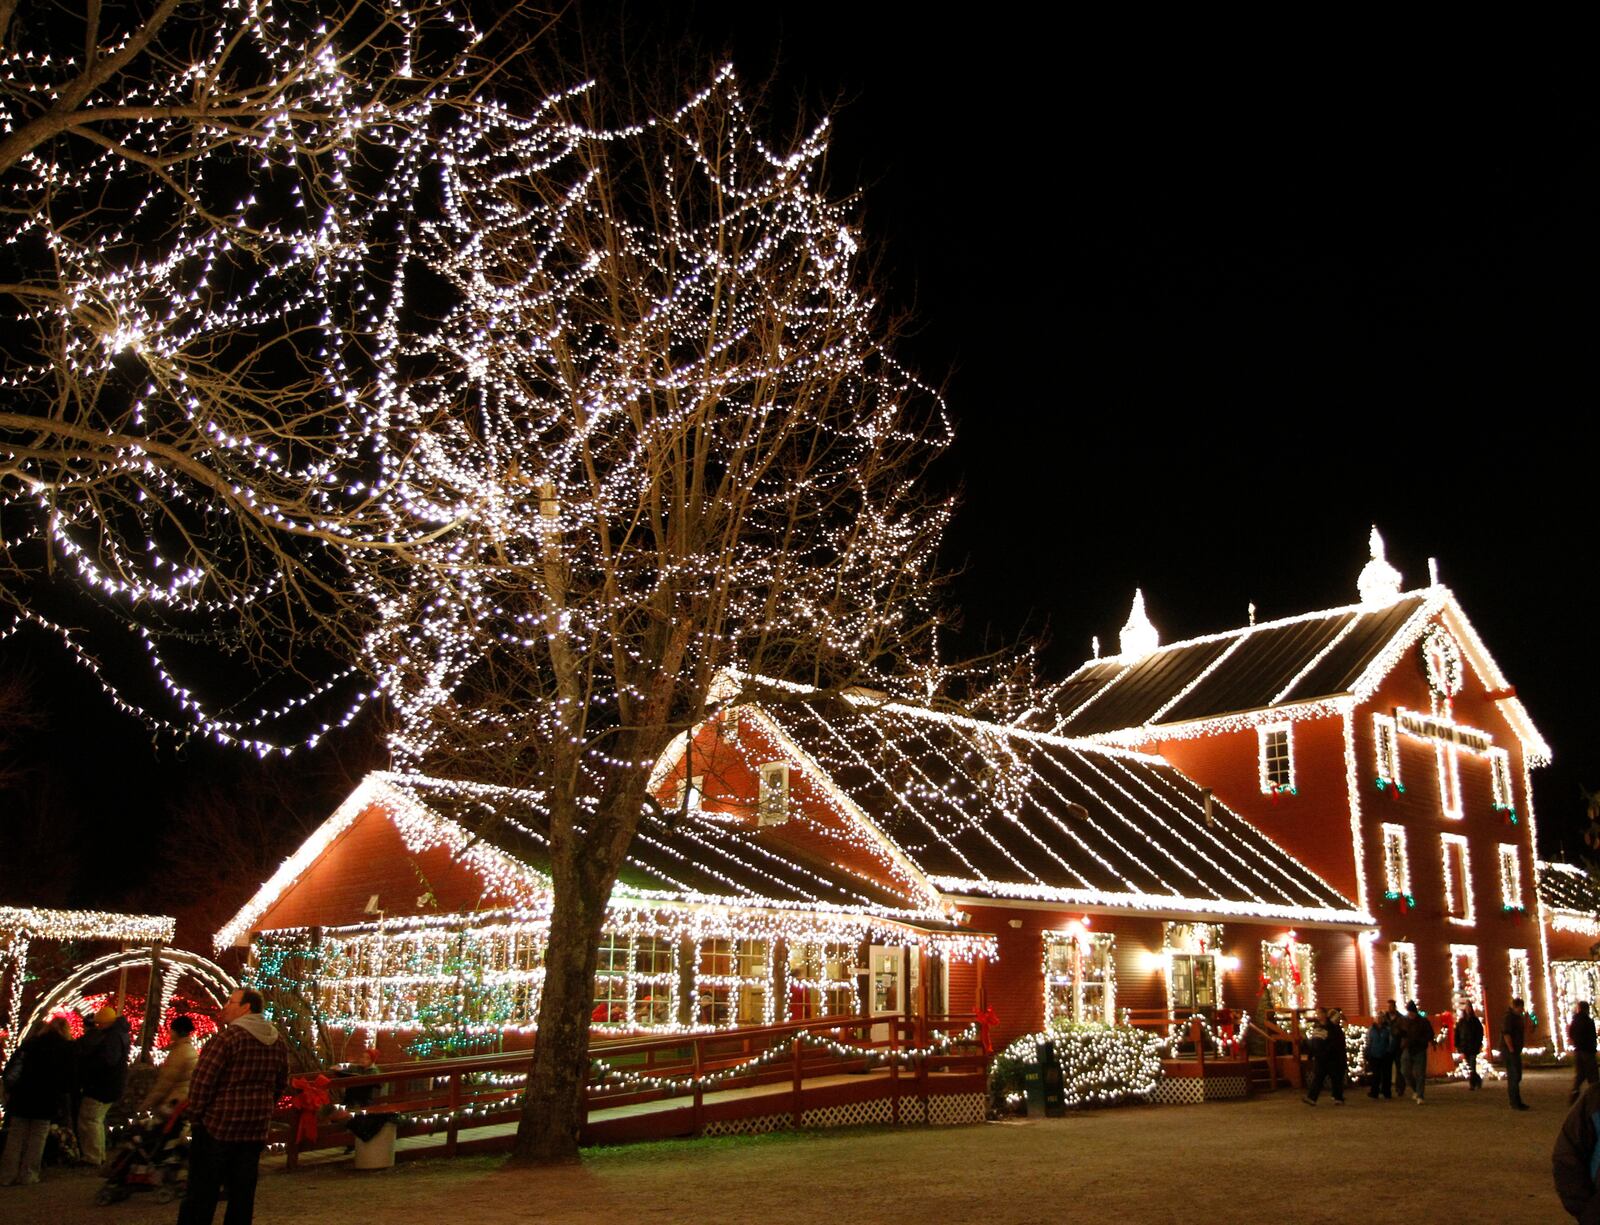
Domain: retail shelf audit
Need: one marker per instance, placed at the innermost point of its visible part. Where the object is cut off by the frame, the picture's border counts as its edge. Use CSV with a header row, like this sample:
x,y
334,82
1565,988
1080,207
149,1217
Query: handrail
x,y
691,1063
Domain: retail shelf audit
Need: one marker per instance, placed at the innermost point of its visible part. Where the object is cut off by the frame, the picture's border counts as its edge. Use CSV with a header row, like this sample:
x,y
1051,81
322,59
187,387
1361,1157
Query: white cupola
x,y
1139,637
1380,582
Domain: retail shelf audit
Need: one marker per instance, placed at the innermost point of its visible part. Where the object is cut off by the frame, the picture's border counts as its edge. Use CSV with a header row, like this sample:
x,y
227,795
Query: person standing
x,y
102,1075
1419,1038
1511,1043
1332,1061
1317,1047
177,1069
1469,1042
1581,1037
44,1080
240,1075
1397,1047
1378,1050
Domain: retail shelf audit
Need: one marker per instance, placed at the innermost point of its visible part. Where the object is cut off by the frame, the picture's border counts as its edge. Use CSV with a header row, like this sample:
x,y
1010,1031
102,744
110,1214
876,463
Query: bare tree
x,y
205,212
677,459
562,431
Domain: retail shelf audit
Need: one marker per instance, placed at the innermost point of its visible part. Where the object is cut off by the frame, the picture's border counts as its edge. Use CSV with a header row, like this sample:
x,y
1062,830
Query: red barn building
x,y
1332,808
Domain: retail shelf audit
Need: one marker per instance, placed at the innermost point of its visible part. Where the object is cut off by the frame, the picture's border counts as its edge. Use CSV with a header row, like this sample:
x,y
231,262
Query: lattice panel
x,y
748,1127
852,1114
1223,1088
1179,1091
951,1109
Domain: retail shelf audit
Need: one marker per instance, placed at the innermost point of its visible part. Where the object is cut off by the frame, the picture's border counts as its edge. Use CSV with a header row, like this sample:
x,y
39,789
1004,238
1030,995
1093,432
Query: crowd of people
x,y
228,1092
1395,1051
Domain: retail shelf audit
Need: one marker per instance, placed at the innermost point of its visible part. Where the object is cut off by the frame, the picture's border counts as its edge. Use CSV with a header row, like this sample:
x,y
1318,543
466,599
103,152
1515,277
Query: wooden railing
x,y
428,1095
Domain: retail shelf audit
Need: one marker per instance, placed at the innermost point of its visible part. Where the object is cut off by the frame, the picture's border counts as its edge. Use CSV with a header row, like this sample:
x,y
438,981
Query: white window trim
x,y
772,793
1521,983
1472,990
1500,779
1263,735
1510,882
1405,991
1385,728
1402,887
1448,759
1080,954
1468,915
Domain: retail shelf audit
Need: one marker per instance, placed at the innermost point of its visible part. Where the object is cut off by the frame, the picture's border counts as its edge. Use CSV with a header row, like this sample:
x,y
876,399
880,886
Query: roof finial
x,y
1139,637
1252,611
1380,582
1094,641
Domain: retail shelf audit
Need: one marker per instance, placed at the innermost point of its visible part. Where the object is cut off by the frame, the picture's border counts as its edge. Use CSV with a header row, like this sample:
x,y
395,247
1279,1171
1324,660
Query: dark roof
x,y
700,857
990,811
1251,668
1565,887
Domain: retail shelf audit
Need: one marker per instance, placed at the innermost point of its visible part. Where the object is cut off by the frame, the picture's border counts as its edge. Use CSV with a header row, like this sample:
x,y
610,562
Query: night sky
x,y
1202,314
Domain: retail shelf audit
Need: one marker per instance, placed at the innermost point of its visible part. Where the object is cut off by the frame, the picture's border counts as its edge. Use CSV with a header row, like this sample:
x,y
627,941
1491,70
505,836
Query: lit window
x,y
1457,879
1386,738
731,985
1510,877
1080,978
1465,983
1290,970
1277,762
773,802
1521,977
1396,867
1500,775
1403,963
1449,763
820,982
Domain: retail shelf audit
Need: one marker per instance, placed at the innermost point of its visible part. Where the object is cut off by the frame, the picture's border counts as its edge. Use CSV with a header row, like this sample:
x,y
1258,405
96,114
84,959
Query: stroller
x,y
155,1157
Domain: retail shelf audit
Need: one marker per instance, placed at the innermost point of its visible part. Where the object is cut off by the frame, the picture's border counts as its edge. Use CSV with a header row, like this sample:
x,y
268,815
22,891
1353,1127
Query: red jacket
x,y
242,1073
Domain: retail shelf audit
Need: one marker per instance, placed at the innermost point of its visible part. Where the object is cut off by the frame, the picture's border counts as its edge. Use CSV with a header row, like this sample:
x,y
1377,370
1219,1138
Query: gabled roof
x,y
1294,665
701,858
1565,887
991,812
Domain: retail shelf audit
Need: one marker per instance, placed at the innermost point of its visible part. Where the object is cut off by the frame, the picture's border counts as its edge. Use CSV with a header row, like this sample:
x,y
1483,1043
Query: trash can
x,y
1043,1083
374,1141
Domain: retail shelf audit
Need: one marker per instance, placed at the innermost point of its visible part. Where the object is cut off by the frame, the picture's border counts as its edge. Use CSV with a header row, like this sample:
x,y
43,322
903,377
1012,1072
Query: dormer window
x,y
691,801
772,805
1277,761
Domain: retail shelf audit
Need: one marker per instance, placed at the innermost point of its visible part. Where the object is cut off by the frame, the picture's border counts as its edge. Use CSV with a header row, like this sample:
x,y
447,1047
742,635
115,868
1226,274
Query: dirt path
x,y
1462,1157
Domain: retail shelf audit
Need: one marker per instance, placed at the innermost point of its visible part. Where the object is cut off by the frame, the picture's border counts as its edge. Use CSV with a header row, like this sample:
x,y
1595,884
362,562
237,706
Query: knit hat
x,y
105,1016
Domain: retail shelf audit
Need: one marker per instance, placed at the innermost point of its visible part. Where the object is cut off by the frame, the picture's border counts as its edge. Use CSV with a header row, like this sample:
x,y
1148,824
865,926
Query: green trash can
x,y
1043,1083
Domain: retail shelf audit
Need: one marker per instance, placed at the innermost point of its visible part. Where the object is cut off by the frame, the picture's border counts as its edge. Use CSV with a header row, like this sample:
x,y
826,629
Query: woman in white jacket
x,y
172,1082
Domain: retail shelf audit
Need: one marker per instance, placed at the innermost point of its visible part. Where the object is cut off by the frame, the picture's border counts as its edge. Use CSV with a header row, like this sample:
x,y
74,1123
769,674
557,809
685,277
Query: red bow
x,y
310,1095
987,1018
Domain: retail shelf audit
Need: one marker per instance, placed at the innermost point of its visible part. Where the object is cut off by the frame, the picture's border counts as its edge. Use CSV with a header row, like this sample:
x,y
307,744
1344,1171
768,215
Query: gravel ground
x,y
1461,1157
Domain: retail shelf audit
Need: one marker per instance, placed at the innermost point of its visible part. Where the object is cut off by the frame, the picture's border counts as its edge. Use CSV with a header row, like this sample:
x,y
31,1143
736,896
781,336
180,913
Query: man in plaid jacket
x,y
242,1073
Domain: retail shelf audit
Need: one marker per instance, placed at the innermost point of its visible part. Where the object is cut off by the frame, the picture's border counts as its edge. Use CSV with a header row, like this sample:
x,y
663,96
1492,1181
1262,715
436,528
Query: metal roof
x,y
1279,663
989,811
1565,887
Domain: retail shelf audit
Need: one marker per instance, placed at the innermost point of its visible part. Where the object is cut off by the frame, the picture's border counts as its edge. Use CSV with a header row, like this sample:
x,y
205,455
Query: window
x,y
820,982
1465,984
1386,738
1457,879
635,981
1277,764
1403,963
1521,978
1396,866
1510,877
732,983
773,803
1500,776
1290,973
1080,977
1449,763
690,802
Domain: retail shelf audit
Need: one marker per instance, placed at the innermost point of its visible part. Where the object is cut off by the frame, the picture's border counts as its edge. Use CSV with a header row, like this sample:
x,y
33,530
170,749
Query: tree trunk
x,y
552,1109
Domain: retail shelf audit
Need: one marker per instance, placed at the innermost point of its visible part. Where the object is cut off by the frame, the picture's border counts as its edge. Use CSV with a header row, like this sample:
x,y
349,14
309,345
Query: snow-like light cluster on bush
x,y
1101,1065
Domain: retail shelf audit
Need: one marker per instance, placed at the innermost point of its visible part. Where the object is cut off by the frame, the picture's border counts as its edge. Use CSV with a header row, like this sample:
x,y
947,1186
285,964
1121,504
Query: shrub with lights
x,y
1101,1065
